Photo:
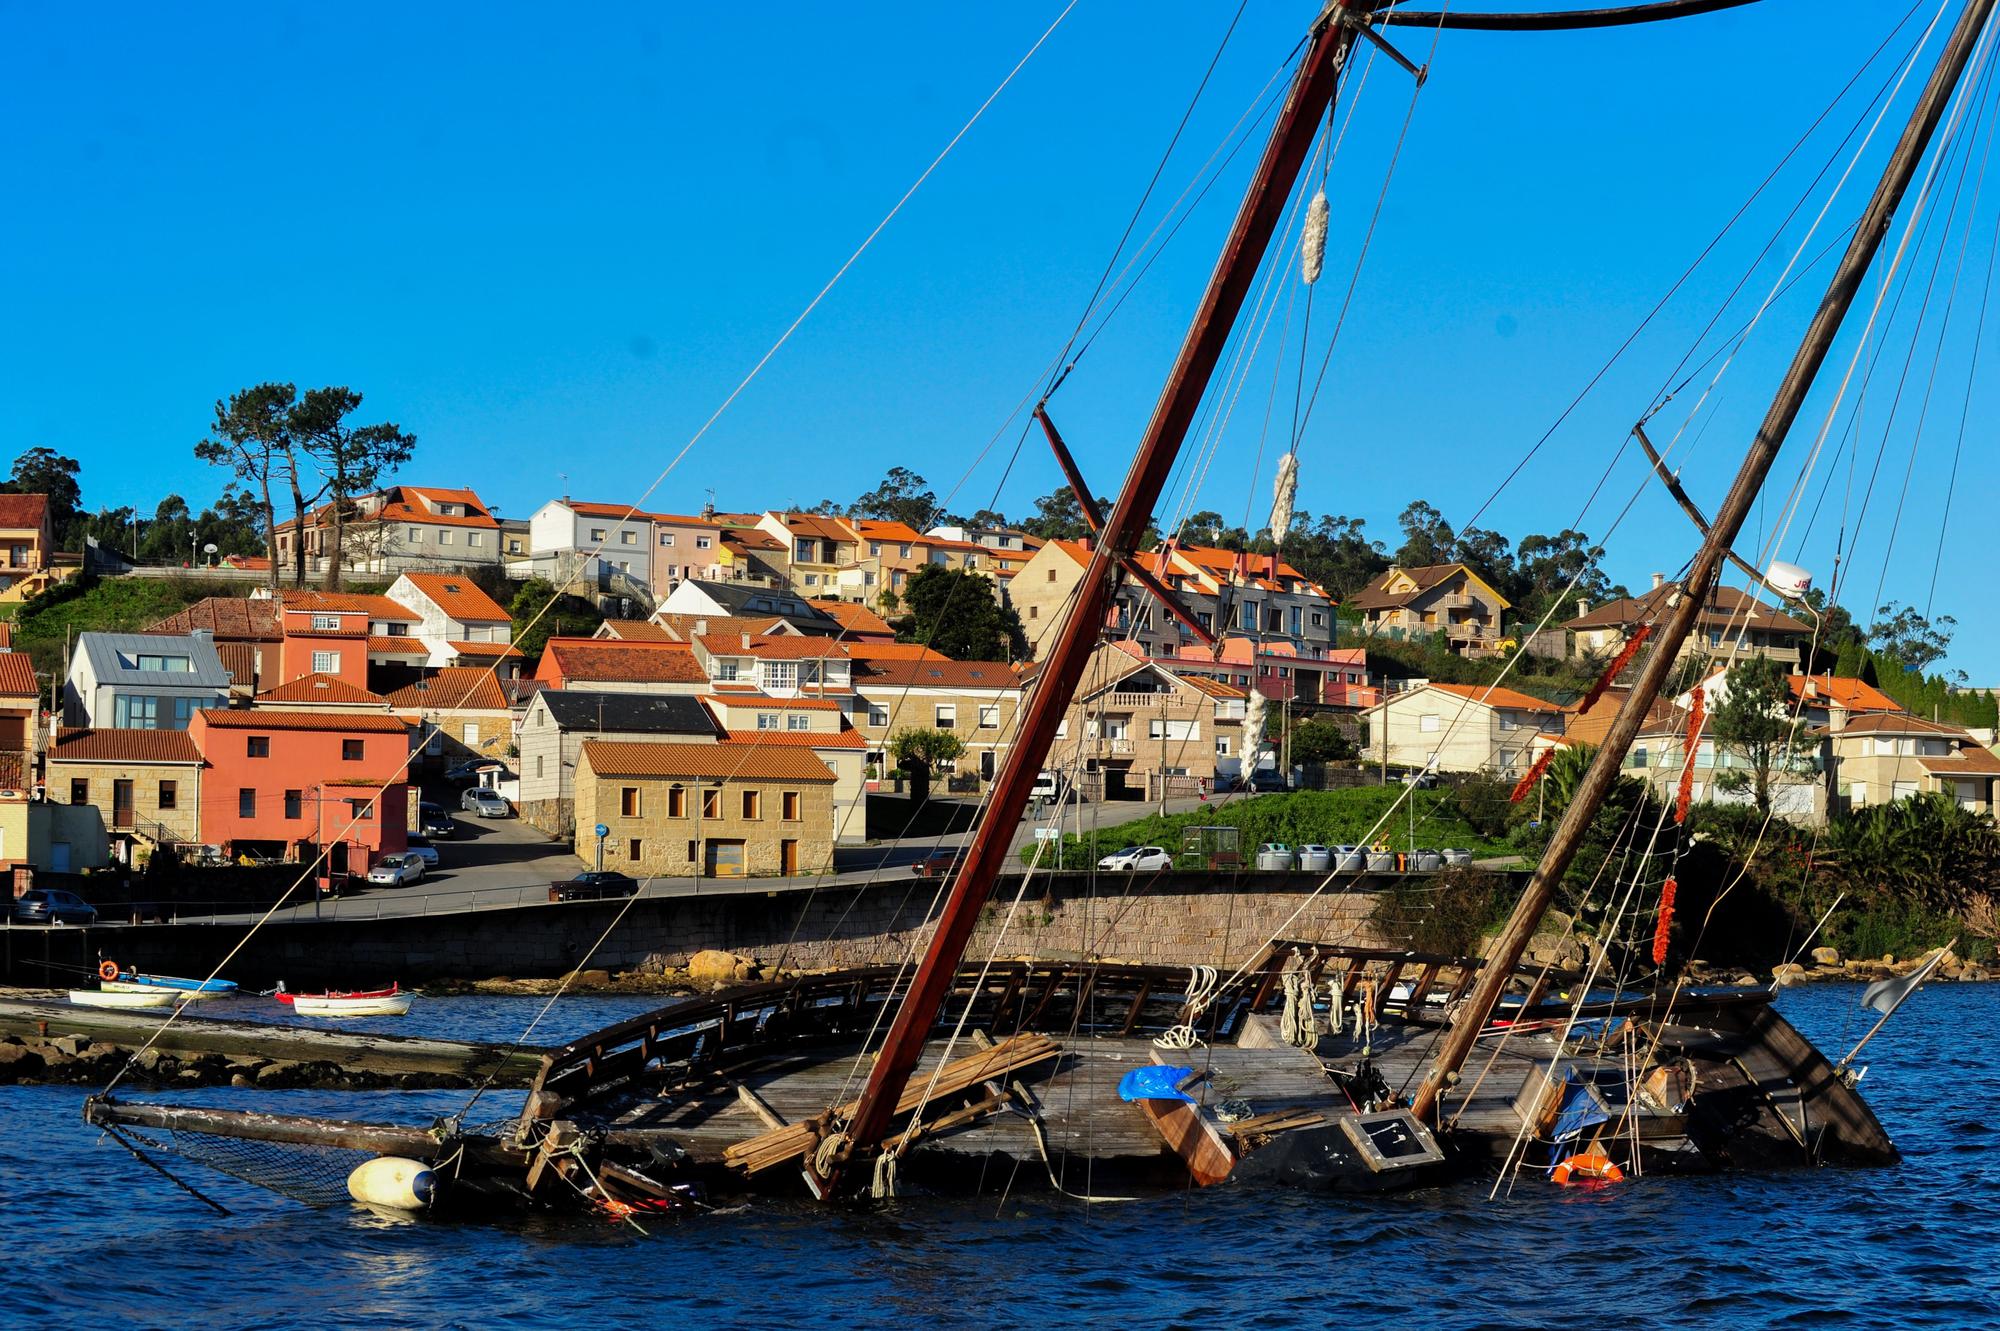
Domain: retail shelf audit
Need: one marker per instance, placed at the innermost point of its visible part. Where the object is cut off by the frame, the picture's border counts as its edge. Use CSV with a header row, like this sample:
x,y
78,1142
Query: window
x,y
79,791
944,715
1222,746
597,533
677,802
711,804
875,549
781,674
416,536
877,716
470,737
351,750
475,539
1428,723
513,545
666,538
632,849
1318,619
1034,612
753,804
361,811
1902,790
812,579
183,712
628,538
725,668
444,538
767,720
172,665
788,805
1508,720
802,550
169,795
798,721
326,663
135,713
903,550
690,852
628,802
246,803
1506,760
703,542
539,773
989,716
321,622
295,804
260,746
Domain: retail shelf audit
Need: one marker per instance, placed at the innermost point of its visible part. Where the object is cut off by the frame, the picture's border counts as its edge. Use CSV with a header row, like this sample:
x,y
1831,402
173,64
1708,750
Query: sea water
x,y
96,1240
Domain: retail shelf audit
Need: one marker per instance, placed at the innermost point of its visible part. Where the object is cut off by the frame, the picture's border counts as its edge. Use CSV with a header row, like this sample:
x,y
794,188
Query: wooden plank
x,y
753,1102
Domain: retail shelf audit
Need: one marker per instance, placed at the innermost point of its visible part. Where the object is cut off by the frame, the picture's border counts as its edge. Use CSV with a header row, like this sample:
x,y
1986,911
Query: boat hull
x,y
186,990
124,998
308,1005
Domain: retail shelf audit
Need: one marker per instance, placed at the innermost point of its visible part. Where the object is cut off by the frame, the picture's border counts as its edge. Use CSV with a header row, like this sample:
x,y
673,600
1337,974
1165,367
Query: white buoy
x,y
1312,239
393,1181
1788,580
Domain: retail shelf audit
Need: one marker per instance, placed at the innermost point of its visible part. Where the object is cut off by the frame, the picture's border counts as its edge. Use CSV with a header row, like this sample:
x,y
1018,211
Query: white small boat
x,y
359,1005
142,987
137,996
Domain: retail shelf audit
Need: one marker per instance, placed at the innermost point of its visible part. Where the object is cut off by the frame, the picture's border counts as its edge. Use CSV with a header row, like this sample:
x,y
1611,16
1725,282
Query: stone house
x,y
459,713
818,724
144,784
1446,601
710,810
1880,757
1134,727
558,721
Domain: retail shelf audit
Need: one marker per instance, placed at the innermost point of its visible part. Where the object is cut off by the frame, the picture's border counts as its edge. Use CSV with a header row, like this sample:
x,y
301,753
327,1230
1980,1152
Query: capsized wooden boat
x,y
351,1005
134,997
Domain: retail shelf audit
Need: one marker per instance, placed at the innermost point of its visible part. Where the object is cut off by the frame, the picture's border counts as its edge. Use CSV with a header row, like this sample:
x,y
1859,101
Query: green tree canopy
x,y
568,616
901,497
954,612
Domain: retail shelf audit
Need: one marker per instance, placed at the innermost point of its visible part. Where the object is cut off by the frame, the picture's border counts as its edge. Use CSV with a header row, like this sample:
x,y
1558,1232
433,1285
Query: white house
x,y
459,623
603,550
1462,728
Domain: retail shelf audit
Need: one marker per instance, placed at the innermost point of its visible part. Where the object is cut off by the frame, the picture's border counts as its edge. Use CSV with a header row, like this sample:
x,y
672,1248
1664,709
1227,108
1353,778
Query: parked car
x,y
1275,855
594,886
935,865
1137,859
486,803
1315,859
421,847
470,770
49,905
397,871
1263,781
435,822
1423,780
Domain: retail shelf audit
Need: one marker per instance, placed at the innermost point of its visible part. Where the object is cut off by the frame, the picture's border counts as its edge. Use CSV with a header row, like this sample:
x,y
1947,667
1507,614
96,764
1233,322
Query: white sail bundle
x,y
1284,492
1312,239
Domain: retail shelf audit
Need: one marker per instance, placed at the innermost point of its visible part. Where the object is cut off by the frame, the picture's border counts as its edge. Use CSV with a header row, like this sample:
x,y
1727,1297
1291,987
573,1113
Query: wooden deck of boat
x,y
1076,1097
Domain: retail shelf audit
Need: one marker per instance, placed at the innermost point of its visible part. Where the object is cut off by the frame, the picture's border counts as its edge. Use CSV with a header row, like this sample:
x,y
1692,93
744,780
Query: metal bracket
x,y
1680,496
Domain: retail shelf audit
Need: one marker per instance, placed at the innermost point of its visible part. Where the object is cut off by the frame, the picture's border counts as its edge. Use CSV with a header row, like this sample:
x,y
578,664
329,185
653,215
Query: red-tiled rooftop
x,y
86,745
281,719
322,689
756,762
459,597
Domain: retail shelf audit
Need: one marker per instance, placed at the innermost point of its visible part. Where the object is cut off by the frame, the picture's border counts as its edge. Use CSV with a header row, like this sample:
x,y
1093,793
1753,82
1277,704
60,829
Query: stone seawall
x,y
1178,919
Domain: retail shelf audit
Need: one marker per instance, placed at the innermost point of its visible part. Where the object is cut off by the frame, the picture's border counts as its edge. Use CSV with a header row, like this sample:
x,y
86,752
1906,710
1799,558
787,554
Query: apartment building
x,y
1731,619
974,700
400,528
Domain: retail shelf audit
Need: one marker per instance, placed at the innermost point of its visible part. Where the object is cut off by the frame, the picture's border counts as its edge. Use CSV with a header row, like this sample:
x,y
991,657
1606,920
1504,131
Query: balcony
x,y
1117,748
1162,699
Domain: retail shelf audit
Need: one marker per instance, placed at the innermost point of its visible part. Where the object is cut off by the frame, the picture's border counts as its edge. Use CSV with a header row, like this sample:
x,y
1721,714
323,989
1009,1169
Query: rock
x,y
747,970
279,1073
1976,973
17,1061
1789,973
1888,958
241,1079
1826,956
1745,981
712,969
148,1061
590,979
69,1044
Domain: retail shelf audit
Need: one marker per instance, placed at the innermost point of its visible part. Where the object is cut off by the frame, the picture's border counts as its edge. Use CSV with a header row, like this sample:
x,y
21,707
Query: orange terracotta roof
x,y
22,512
454,688
240,660
683,627
893,651
751,539
257,619
938,673
634,630
854,619
484,651
17,676
1898,723
843,738
1213,688
882,529
400,510
84,745
459,597
774,647
756,762
380,644
634,662
812,524
306,601
766,703
584,508
278,719
1852,695
322,689
685,520
1495,696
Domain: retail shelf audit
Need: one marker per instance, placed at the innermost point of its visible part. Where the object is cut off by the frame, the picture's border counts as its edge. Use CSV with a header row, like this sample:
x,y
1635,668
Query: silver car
x,y
486,803
396,871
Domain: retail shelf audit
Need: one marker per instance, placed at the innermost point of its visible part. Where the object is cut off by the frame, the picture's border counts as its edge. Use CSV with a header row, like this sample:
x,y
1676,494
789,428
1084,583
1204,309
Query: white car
x,y
396,871
1137,859
486,803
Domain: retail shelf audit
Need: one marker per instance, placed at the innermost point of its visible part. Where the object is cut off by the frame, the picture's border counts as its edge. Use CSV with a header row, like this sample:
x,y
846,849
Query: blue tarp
x,y
1155,1083
1581,1110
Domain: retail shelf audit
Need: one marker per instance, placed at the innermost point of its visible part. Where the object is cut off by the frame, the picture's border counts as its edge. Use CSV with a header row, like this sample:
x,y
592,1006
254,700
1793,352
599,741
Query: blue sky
x,y
551,245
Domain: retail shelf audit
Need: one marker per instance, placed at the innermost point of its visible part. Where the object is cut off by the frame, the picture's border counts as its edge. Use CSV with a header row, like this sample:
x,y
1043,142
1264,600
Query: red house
x,y
287,782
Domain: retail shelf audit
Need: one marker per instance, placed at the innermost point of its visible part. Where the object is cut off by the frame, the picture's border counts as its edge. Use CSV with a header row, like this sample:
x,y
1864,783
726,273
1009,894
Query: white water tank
x,y
1788,580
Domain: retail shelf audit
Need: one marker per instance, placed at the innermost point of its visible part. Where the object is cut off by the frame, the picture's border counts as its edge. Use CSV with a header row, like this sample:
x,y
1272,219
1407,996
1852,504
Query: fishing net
x,y
315,1175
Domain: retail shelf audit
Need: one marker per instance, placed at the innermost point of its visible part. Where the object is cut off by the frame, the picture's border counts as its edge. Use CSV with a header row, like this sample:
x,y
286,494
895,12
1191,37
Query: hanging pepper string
x,y
1527,783
1696,714
1616,668
1665,928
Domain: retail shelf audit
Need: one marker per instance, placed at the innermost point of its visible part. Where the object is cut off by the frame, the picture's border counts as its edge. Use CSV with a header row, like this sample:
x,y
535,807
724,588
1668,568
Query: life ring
x,y
1591,1164
107,970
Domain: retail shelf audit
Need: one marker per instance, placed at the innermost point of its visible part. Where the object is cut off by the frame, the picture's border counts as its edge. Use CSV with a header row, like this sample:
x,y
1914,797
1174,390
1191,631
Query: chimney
x,y
746,642
1658,578
1582,607
701,628
1086,542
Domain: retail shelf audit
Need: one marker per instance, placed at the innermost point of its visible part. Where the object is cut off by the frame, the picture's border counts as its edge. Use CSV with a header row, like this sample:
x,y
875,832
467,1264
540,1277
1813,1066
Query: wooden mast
x,y
1596,785
1229,285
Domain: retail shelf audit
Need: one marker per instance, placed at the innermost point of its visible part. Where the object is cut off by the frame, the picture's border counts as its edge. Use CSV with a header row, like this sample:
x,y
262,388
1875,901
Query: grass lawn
x,y
114,605
1304,817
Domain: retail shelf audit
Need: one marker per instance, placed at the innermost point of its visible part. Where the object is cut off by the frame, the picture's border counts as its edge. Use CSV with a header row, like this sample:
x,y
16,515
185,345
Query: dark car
x,y
1263,781
48,905
594,886
935,865
433,821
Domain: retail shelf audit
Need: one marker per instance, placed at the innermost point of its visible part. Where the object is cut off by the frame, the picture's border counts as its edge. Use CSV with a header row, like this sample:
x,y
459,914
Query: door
x,y
788,858
59,856
121,804
725,859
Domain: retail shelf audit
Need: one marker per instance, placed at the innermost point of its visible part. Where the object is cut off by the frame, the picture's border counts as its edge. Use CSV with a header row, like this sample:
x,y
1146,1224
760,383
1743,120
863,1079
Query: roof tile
x,y
755,762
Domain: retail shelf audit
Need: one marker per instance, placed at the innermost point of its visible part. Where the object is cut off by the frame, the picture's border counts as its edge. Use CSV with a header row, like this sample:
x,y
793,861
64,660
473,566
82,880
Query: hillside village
x,y
721,693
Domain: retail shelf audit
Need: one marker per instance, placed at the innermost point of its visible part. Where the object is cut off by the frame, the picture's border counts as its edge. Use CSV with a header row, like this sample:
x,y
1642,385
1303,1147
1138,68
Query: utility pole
x,y
1869,233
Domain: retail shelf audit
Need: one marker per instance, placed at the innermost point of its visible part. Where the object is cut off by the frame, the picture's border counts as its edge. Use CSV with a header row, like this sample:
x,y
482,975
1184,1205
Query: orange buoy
x,y
1590,1164
107,970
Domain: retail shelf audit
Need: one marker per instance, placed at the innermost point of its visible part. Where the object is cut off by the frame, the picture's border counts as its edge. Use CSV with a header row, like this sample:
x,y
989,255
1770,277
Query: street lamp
x,y
210,550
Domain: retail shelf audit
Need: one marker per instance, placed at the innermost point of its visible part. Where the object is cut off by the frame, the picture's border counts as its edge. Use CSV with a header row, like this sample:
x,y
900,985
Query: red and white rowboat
x,y
390,1002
